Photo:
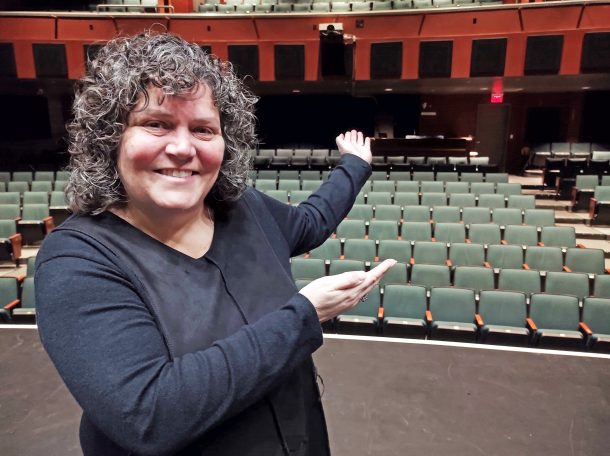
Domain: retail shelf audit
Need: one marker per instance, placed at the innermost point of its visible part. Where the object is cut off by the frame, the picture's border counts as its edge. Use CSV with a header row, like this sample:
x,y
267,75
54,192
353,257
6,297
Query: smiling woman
x,y
166,302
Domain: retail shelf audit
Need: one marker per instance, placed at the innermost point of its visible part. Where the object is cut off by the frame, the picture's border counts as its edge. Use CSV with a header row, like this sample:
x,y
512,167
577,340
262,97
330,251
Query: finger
x,y
360,139
348,280
367,142
377,272
354,136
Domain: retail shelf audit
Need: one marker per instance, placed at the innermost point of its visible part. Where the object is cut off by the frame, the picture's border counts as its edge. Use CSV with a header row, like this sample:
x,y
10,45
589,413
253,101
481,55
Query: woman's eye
x,y
204,131
154,124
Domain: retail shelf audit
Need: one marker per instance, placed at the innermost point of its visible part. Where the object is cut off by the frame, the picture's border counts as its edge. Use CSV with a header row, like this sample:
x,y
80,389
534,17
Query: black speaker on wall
x,y
543,54
289,62
50,60
386,60
244,58
8,69
435,59
488,57
595,53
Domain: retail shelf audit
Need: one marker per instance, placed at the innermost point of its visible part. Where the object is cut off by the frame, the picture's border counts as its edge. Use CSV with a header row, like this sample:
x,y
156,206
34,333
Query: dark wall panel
x,y
7,61
386,60
435,59
488,57
543,54
289,62
50,60
245,59
27,118
596,53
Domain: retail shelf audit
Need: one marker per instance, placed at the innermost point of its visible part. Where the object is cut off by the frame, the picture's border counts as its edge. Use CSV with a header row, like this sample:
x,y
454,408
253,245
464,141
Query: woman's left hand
x,y
354,142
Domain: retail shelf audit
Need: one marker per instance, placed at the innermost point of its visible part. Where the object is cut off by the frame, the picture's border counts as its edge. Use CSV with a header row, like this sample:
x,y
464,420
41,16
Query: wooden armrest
x,y
306,256
428,316
49,224
592,207
503,242
526,266
16,242
342,257
21,278
449,263
581,246
607,270
412,261
566,269
585,329
380,313
468,241
433,239
479,320
541,244
486,264
12,304
376,258
574,193
531,325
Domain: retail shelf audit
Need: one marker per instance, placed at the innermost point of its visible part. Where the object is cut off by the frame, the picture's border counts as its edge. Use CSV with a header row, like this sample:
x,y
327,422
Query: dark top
x,y
167,354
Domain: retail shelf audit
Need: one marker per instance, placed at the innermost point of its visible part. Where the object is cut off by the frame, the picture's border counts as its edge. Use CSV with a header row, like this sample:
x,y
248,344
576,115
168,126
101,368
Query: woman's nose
x,y
180,145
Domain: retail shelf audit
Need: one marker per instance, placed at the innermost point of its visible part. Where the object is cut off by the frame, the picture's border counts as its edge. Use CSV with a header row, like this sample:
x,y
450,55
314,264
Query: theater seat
x,y
501,318
452,314
404,311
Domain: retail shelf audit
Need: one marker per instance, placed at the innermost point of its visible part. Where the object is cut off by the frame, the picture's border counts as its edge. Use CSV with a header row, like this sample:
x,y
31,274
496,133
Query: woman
x,y
166,302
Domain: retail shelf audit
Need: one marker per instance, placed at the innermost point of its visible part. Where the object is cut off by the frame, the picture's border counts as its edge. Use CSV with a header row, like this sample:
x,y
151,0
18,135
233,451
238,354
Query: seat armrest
x,y
541,244
21,278
449,263
433,239
11,305
607,270
487,265
581,246
526,266
468,241
428,316
531,325
380,313
16,242
49,225
503,242
567,269
592,207
479,320
412,261
585,328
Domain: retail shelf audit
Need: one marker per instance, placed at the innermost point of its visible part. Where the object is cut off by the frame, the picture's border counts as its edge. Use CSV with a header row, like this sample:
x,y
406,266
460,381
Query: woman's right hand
x,y
333,295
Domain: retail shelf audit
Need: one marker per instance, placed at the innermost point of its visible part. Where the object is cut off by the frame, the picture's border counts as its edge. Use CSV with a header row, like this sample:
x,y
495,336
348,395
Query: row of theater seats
x,y
29,176
494,316
17,296
324,6
393,176
561,174
493,256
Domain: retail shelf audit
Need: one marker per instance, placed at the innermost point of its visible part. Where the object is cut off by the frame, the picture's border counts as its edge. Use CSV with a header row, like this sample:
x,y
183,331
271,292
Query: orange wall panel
x,y
134,26
515,55
383,28
280,29
596,16
312,60
75,59
410,59
362,60
217,29
572,52
15,28
548,19
460,61
89,30
266,61
471,23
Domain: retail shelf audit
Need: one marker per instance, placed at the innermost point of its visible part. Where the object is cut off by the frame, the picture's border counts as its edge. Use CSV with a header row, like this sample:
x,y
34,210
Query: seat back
x,y
44,176
596,315
491,200
462,254
369,307
388,212
406,199
507,216
430,275
383,229
361,212
423,176
7,228
426,252
280,195
472,215
265,184
447,176
384,186
521,201
400,176
601,194
397,250
329,250
586,181
496,177
9,211
457,187
462,200
601,286
505,256
552,311
506,189
471,177
484,233
10,198
506,308
450,232
375,198
404,301
289,184
519,280
571,283
22,176
407,186
310,269
35,198
482,188
351,229
590,261
446,214
298,196
476,278
452,304
539,217
521,234
416,214
9,290
42,186
416,231
28,295
432,187
359,249
341,266
544,258
35,211
434,199
396,274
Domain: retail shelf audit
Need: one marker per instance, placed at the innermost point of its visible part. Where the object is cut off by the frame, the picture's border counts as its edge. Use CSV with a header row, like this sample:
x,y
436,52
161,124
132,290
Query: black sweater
x,y
167,354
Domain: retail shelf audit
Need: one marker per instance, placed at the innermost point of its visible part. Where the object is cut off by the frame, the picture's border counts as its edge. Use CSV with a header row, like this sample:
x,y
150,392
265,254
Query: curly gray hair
x,y
116,79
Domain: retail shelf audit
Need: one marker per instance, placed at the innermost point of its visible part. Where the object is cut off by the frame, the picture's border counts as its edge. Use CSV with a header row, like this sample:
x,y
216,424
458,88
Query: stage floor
x,y
381,396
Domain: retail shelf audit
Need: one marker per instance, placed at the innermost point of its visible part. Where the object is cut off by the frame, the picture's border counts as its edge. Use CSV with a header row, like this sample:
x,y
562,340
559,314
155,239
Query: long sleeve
x,y
111,354
313,221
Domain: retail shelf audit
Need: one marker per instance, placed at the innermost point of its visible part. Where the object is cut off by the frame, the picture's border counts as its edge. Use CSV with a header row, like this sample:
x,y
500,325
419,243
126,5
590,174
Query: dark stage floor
x,y
381,397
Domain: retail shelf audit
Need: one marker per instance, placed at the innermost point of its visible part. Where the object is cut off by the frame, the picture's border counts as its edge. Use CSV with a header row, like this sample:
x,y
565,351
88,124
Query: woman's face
x,y
171,152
